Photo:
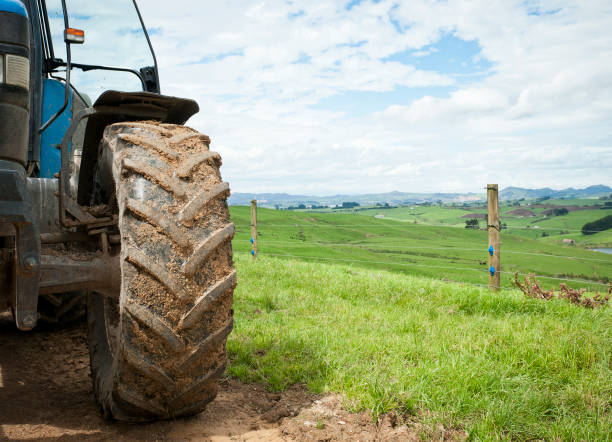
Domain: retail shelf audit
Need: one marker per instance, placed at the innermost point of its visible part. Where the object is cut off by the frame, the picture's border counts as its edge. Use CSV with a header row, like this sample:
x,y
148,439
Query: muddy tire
x,y
158,351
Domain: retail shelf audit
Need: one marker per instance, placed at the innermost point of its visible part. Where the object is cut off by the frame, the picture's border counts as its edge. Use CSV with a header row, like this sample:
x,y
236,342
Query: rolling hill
x,y
283,200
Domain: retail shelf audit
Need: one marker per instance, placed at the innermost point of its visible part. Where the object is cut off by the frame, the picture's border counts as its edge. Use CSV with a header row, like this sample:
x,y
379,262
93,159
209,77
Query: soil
x,y
46,394
569,208
521,212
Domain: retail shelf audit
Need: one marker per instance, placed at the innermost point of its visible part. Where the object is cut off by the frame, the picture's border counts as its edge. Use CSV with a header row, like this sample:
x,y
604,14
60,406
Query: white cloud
x,y
541,118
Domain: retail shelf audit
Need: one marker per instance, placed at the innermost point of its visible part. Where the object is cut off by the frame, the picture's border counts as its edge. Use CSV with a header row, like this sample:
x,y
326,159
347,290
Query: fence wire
x,y
384,247
448,226
322,258
409,247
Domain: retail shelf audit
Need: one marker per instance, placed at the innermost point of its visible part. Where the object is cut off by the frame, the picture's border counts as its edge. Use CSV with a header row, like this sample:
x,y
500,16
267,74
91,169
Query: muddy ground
x,y
45,394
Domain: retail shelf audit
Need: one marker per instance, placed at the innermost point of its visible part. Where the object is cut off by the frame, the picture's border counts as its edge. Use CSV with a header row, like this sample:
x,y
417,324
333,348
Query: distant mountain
x,y
512,193
401,198
393,198
283,200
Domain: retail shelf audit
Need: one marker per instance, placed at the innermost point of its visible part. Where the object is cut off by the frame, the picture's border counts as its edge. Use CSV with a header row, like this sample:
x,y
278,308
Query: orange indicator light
x,y
72,35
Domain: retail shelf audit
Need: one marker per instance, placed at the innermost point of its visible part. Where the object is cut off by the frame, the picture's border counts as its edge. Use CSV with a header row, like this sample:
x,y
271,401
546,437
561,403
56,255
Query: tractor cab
x,y
79,50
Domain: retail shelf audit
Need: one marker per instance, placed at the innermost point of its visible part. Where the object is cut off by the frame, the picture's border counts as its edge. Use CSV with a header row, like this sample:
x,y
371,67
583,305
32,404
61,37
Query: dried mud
x,y
45,394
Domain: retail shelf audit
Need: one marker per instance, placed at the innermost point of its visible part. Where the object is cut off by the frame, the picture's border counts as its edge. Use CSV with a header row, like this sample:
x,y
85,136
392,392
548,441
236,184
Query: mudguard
x,y
115,106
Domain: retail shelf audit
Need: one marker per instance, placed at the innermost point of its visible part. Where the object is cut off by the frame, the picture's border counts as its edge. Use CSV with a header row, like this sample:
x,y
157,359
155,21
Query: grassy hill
x,y
448,253
499,366
601,239
531,224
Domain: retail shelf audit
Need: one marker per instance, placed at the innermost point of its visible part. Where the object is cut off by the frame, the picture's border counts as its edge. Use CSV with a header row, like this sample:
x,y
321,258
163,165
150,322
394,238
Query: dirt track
x,y
45,394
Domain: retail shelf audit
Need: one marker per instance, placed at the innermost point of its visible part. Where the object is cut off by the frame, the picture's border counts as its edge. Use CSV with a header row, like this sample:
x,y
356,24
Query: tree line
x,y
599,225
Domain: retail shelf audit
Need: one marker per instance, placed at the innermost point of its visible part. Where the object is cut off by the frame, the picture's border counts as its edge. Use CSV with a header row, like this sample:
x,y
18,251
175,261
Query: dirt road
x,y
45,394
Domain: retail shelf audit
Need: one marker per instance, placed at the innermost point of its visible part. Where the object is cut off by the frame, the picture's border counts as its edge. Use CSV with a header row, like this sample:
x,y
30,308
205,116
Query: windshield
x,y
113,38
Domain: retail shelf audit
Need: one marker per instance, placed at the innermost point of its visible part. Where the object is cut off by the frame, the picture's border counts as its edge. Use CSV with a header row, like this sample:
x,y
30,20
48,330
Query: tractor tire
x,y
158,350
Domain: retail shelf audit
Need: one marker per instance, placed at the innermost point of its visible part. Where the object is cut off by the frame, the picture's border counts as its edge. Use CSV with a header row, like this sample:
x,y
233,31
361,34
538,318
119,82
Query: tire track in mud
x,y
46,395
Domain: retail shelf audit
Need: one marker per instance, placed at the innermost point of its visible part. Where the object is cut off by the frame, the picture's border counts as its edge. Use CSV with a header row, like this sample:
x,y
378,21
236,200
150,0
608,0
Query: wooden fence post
x,y
493,227
254,228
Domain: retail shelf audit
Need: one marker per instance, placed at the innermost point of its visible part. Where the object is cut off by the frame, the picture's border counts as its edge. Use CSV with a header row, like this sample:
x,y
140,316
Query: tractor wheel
x,y
158,350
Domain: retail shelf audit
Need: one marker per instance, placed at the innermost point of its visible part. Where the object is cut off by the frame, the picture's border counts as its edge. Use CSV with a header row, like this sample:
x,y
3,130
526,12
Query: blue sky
x,y
460,59
327,97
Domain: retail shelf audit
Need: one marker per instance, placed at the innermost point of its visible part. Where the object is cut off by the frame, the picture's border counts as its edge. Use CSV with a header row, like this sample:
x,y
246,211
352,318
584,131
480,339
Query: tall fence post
x,y
493,227
254,228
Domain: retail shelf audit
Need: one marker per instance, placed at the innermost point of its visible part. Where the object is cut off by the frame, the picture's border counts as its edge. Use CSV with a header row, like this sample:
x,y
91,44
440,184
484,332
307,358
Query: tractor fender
x,y
114,107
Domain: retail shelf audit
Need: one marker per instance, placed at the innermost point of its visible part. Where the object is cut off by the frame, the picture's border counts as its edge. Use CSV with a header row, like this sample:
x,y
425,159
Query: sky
x,y
326,97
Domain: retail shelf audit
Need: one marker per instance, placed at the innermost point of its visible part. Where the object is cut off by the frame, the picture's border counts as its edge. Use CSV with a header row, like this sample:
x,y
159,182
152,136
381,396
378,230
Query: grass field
x,y
446,253
574,201
499,366
557,227
601,239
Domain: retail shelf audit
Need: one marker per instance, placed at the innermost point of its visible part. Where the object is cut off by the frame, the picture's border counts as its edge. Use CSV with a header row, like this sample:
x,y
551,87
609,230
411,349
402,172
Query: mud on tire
x,y
157,352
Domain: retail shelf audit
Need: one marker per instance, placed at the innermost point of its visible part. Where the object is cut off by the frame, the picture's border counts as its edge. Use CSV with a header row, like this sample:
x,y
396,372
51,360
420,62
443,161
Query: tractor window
x,y
113,38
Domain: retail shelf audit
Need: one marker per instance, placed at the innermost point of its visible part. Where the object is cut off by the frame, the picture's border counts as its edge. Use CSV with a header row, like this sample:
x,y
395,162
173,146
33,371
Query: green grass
x,y
574,202
433,215
560,227
573,221
601,239
456,254
500,366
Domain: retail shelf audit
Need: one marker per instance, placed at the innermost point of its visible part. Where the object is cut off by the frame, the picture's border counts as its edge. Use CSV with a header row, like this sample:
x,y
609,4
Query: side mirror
x,y
149,76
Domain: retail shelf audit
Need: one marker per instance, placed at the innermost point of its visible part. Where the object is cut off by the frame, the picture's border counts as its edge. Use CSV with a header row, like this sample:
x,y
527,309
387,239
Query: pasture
x,y
448,253
498,366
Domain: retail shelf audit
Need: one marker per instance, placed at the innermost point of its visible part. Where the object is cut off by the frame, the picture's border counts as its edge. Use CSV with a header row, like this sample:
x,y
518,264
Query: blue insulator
x,y
492,271
251,240
253,253
491,250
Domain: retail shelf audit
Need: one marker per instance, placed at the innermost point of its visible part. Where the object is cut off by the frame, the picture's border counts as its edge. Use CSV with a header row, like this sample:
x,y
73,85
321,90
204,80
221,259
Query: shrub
x,y
471,223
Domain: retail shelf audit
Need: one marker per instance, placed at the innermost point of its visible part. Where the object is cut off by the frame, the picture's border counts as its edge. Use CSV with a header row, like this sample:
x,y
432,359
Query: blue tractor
x,y
109,204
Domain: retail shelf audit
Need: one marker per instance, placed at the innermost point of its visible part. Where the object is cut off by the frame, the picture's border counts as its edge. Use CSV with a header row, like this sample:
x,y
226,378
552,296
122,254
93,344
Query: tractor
x,y
109,205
